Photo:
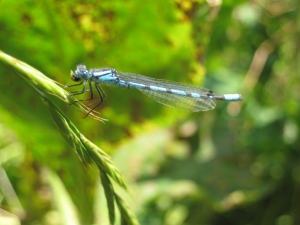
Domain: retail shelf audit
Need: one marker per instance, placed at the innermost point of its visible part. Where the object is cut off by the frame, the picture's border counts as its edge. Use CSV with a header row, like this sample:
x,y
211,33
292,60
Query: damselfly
x,y
169,93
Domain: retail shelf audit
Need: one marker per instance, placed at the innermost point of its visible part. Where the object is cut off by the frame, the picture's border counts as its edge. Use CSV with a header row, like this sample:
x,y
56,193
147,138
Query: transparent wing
x,y
169,99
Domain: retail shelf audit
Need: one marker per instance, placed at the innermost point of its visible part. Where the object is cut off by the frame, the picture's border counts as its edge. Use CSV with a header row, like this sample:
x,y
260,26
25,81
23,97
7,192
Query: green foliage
x,y
237,164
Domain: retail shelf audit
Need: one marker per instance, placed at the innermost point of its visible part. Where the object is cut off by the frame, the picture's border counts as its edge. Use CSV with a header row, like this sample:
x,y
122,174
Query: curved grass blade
x,y
127,218
110,196
86,150
90,153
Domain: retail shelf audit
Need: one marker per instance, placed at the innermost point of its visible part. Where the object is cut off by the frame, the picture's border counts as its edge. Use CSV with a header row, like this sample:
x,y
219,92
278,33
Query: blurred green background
x,y
238,164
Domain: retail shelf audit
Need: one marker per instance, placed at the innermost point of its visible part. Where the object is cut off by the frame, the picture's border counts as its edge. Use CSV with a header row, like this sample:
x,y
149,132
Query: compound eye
x,y
74,78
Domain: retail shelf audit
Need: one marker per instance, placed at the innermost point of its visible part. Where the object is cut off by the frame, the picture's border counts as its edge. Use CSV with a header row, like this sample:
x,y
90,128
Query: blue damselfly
x,y
169,93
